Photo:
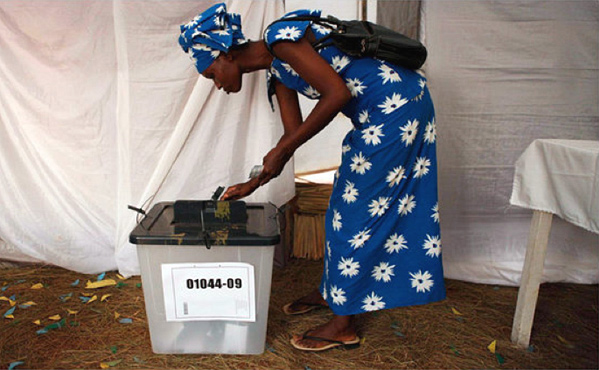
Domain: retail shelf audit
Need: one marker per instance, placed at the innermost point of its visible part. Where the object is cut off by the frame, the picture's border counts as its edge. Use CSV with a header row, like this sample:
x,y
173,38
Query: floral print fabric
x,y
383,242
210,32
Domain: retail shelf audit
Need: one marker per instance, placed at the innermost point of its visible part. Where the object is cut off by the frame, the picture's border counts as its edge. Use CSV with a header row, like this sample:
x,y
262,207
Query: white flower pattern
x,y
321,29
378,206
360,164
388,74
339,62
409,132
337,220
360,239
311,92
422,281
383,272
373,302
391,104
350,194
395,243
348,267
406,205
289,69
338,295
430,132
435,214
432,245
222,32
364,117
372,134
396,175
355,86
275,72
421,167
288,33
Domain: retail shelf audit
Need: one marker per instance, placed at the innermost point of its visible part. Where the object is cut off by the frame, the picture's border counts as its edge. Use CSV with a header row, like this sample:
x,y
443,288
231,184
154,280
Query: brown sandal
x,y
310,307
348,344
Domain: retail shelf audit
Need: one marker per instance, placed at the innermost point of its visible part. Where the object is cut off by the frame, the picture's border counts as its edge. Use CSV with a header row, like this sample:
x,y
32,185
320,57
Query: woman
x,y
383,247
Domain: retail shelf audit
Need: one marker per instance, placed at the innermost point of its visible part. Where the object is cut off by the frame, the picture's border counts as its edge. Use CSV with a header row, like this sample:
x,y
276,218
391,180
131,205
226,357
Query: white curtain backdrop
x,y
99,109
503,73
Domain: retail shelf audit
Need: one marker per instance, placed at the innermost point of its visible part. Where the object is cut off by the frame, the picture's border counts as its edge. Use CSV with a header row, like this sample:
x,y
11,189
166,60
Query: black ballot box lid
x,y
209,223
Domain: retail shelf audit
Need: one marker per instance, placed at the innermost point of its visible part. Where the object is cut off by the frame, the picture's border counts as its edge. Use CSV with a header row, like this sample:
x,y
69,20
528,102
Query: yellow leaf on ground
x,y
121,277
37,322
30,303
9,317
72,312
104,297
92,299
455,312
37,286
492,346
106,365
55,317
565,342
100,284
12,303
116,315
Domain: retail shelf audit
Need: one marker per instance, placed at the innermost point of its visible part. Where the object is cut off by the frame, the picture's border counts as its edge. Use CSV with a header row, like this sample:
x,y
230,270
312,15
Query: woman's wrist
x,y
254,182
287,145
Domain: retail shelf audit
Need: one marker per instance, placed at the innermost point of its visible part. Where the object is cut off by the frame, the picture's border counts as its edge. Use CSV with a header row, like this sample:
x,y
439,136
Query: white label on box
x,y
209,291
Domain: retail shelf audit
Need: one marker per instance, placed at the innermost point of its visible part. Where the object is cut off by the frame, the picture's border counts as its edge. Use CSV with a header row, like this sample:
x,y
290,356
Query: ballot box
x,y
206,269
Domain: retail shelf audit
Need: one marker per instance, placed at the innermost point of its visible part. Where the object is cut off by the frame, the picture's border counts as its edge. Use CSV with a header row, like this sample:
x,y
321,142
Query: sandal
x,y
348,344
310,307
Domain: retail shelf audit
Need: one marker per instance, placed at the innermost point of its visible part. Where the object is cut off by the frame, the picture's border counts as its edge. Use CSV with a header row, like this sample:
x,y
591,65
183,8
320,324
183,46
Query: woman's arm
x,y
334,94
291,116
333,97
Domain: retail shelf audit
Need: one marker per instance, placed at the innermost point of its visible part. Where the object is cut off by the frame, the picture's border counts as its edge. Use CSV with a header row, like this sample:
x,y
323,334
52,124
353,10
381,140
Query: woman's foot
x,y
340,331
305,304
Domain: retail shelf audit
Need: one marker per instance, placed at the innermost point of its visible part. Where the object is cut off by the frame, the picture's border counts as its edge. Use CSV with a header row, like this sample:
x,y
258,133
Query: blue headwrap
x,y
209,33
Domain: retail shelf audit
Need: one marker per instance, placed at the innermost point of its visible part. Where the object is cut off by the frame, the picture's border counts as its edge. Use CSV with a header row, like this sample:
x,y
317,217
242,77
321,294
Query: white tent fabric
x,y
503,73
99,109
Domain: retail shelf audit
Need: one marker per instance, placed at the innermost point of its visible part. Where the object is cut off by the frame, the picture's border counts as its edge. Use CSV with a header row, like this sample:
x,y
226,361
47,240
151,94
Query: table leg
x,y
532,273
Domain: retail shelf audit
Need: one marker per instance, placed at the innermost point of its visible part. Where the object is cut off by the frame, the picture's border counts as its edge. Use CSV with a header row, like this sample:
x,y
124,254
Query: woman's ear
x,y
228,56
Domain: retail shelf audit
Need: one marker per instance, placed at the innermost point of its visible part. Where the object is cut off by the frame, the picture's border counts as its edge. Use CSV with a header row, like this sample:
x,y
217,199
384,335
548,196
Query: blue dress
x,y
383,243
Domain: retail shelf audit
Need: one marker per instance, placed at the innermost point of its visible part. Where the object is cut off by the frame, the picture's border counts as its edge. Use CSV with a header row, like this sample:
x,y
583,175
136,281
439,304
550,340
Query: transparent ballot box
x,y
206,269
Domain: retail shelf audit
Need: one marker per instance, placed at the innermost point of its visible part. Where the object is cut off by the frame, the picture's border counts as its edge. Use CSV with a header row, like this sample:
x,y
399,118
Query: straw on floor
x,y
452,334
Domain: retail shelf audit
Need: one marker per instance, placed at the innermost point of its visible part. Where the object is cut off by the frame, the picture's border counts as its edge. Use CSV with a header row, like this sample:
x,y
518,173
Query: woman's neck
x,y
253,57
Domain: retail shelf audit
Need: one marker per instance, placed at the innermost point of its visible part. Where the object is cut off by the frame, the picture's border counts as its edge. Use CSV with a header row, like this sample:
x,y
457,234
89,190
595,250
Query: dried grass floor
x,y
565,332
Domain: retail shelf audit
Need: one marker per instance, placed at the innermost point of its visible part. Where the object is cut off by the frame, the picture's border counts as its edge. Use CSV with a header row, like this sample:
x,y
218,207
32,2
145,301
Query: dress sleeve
x,y
288,29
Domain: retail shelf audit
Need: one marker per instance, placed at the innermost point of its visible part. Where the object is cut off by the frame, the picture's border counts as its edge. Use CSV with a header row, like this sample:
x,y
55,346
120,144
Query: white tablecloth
x,y
561,177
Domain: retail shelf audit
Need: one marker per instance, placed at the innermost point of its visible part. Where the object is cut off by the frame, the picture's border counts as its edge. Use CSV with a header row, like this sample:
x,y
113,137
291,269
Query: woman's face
x,y
225,73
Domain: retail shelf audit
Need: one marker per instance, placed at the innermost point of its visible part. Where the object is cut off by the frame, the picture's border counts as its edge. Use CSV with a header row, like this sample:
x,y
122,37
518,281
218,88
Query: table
x,y
552,177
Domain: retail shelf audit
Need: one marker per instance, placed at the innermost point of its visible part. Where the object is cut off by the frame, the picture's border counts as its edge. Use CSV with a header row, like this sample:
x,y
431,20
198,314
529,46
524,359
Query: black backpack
x,y
367,39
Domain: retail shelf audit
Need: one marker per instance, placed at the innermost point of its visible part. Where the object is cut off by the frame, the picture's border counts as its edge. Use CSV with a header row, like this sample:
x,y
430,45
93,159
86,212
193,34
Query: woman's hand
x,y
275,161
241,190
